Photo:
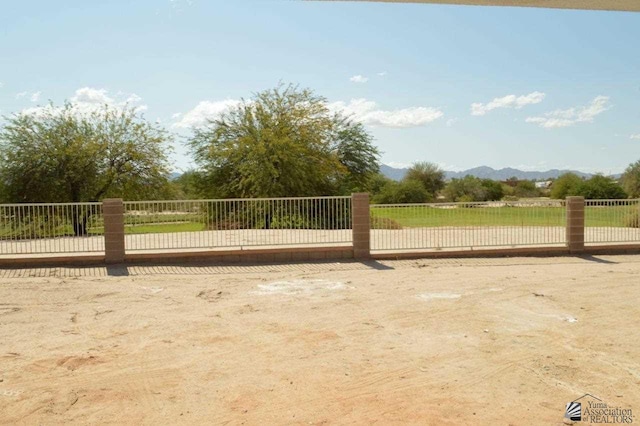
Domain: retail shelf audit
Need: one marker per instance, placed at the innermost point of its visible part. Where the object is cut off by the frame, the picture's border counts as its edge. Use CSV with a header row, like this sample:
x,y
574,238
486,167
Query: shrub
x,y
600,187
407,191
384,223
632,220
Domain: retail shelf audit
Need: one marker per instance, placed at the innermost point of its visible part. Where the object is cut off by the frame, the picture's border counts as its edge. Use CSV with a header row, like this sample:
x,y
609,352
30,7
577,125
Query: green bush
x,y
384,223
632,220
407,191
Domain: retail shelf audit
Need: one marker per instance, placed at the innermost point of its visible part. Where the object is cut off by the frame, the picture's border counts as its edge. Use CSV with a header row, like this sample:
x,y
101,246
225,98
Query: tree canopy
x,y
596,187
405,191
471,188
429,174
566,184
60,154
600,187
631,180
284,142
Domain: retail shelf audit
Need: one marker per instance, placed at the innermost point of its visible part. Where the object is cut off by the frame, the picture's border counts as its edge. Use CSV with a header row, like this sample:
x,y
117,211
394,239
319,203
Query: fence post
x,y
113,213
361,225
575,224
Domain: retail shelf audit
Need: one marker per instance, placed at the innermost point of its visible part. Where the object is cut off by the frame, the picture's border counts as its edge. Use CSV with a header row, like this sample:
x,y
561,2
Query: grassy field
x,y
383,218
411,217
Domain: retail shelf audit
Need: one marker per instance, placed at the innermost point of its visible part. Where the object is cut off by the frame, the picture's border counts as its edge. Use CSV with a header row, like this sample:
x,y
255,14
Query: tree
x,y
188,185
526,189
631,180
405,191
466,189
494,190
284,142
60,154
594,188
430,175
600,187
564,185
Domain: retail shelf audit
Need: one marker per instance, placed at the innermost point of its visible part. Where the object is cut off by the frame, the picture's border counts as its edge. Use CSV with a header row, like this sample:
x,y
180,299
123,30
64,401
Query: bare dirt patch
x,y
439,342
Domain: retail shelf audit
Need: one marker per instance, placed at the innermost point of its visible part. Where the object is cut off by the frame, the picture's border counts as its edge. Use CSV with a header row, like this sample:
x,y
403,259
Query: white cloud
x,y
509,101
382,74
133,99
21,95
449,167
368,113
569,117
359,79
203,112
35,96
451,122
1,85
90,95
87,100
636,136
399,165
362,110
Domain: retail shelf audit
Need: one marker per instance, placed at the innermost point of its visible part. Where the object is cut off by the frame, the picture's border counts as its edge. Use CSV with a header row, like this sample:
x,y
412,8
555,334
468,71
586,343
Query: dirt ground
x,y
437,342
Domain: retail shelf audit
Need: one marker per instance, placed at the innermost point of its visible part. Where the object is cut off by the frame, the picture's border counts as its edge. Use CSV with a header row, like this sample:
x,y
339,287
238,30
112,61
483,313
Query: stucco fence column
x,y
361,225
575,224
113,213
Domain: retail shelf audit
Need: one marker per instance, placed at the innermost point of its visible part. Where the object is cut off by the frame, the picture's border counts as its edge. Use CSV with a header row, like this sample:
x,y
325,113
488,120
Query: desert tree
x,y
284,142
63,154
429,174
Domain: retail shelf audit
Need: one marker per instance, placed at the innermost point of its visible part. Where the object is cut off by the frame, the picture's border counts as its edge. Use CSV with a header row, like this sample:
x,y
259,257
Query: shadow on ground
x,y
319,266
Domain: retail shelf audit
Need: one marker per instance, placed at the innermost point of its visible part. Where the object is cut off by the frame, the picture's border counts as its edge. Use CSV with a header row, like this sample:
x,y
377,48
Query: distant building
x,y
544,185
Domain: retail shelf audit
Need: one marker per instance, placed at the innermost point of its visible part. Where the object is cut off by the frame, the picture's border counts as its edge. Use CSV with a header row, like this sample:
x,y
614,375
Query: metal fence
x,y
237,223
33,229
467,225
51,228
612,221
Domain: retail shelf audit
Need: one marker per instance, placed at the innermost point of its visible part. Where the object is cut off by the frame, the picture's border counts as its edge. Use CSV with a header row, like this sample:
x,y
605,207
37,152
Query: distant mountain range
x,y
485,172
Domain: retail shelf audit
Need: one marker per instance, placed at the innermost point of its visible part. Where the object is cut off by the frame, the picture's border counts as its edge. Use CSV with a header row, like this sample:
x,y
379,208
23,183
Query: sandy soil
x,y
437,342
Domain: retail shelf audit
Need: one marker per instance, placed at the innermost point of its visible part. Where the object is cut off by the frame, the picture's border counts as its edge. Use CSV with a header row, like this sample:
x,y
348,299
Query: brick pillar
x,y
575,224
113,213
361,225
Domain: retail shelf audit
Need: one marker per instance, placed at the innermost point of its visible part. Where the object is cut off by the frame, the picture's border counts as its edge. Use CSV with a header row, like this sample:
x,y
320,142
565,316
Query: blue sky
x,y
458,86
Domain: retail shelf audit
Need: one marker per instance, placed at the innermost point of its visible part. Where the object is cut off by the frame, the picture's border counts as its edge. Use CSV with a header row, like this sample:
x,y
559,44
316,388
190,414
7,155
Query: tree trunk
x,y
79,218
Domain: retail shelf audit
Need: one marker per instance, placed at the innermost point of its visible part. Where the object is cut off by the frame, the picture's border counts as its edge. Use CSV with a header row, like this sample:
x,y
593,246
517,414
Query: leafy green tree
x,y
594,188
493,190
429,174
377,182
62,155
468,188
525,189
189,185
600,187
284,142
565,185
631,180
405,191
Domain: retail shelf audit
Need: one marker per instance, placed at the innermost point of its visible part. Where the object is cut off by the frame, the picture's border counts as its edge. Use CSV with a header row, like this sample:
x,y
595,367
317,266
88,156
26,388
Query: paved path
x,y
381,239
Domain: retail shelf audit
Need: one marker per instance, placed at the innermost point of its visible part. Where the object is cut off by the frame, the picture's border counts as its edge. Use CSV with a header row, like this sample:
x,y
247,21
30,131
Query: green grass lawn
x,y
384,218
411,217
164,228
